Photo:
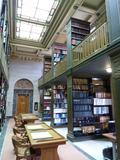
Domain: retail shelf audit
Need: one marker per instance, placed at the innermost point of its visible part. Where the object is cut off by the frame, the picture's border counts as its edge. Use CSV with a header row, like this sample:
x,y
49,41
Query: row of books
x,y
59,87
60,101
60,105
82,107
103,95
85,113
98,101
60,95
60,51
80,81
60,121
83,101
80,87
80,94
60,110
60,115
101,110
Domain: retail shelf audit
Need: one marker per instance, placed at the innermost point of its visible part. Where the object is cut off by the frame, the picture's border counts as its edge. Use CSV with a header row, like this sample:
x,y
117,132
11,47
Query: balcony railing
x,y
3,60
61,67
48,76
92,45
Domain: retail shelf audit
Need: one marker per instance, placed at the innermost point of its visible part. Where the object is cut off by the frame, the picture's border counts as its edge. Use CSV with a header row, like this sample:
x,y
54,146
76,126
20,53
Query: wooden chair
x,y
23,150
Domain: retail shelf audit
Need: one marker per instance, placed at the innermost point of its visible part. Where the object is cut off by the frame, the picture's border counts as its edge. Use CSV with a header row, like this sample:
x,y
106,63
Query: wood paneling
x,y
23,104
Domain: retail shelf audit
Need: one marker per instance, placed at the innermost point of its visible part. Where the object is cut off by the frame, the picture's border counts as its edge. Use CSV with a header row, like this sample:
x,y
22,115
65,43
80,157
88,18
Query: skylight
x,y
33,18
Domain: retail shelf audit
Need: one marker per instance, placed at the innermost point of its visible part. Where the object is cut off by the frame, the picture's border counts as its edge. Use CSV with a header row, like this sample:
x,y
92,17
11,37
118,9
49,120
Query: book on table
x,y
35,127
41,135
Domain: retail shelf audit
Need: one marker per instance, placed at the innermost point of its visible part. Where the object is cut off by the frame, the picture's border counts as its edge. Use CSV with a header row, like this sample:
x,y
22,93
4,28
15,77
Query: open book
x,y
35,127
41,135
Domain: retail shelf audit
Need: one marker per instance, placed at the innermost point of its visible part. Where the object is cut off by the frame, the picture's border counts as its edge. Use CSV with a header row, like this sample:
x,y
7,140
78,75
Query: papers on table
x,y
41,135
35,127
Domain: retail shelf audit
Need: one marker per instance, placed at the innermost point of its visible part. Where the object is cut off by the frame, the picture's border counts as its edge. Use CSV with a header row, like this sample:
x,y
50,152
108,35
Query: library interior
x,y
60,79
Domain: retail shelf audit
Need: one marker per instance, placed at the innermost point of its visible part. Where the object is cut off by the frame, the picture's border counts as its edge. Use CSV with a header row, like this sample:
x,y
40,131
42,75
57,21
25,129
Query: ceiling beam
x,y
26,44
31,21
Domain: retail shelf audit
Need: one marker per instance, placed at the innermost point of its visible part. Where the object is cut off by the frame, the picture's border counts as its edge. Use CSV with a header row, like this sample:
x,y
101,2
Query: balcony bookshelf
x,y
59,52
46,104
3,94
59,105
92,107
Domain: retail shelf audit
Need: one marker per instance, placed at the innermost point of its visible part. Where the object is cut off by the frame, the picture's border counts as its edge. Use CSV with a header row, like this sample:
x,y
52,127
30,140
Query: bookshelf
x,y
59,52
59,105
47,64
92,106
102,103
79,30
82,104
3,93
46,104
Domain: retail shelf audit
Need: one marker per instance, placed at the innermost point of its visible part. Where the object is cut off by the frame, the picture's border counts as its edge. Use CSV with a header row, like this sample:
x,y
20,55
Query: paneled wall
x,y
18,69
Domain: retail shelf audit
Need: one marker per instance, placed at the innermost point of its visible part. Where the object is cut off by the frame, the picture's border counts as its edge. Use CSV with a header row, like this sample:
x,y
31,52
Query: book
x,y
34,127
41,135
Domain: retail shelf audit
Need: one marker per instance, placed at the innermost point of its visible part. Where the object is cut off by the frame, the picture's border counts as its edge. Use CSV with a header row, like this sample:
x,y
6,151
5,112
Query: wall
x,y
19,69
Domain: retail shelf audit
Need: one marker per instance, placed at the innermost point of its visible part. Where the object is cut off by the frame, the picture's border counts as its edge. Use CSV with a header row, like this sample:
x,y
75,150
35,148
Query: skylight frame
x,y
34,21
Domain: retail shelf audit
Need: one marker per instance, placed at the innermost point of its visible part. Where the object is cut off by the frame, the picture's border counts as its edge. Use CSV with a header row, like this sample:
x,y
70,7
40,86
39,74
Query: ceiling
x,y
36,24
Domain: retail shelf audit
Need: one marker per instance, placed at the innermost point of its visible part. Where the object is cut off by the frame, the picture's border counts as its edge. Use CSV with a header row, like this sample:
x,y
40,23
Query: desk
x,y
112,138
28,117
48,146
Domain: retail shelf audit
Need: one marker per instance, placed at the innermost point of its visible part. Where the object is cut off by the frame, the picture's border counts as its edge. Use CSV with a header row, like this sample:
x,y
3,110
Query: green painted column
x,y
69,46
52,107
115,86
113,19
70,107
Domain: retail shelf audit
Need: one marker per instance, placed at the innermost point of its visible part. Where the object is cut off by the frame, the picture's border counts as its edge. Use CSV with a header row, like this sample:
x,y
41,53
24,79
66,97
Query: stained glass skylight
x,y
33,18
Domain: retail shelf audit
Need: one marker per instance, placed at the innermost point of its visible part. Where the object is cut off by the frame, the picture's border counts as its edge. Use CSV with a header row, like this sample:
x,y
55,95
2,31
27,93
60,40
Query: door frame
x,y
22,92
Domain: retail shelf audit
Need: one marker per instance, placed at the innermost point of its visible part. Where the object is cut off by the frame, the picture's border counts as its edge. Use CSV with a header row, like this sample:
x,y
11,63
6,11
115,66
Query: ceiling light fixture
x,y
109,70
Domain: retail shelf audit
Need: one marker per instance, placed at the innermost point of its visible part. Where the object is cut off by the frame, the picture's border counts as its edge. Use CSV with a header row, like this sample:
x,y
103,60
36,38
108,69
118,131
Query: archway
x,y
23,96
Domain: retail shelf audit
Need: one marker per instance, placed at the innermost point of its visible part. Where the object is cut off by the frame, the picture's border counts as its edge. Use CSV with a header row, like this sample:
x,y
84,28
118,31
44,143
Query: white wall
x,y
19,69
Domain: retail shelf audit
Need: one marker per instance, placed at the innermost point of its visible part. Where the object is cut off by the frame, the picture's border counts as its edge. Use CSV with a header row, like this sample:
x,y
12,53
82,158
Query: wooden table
x,y
112,138
28,117
48,146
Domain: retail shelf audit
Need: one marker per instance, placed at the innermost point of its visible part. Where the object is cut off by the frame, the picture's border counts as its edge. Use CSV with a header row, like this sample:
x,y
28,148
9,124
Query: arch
x,y
23,84
23,87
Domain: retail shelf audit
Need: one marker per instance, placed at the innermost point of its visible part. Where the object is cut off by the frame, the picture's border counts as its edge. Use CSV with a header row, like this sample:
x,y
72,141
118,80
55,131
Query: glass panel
x,y
40,11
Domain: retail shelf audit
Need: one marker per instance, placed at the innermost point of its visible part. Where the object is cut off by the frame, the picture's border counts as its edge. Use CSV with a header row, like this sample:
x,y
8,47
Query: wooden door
x,y
23,104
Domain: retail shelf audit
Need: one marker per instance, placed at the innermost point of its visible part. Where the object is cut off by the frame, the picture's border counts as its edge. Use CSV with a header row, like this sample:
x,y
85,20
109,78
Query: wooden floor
x,y
66,152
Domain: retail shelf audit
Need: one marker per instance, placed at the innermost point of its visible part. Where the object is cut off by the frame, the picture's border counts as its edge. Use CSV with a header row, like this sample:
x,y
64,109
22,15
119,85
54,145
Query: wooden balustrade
x,y
92,45
48,76
61,67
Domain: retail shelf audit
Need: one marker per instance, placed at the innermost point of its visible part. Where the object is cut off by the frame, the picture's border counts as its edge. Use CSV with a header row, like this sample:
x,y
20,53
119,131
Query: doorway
x,y
23,97
23,104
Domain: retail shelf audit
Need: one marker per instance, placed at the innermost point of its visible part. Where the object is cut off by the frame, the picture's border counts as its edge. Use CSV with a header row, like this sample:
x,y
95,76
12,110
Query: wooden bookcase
x,y
59,52
3,93
46,103
92,106
82,104
79,30
102,103
59,105
47,64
